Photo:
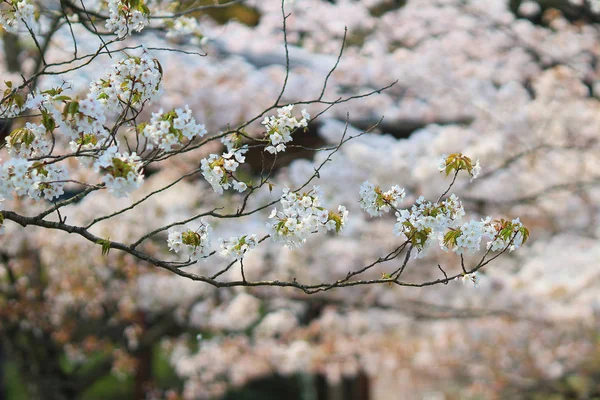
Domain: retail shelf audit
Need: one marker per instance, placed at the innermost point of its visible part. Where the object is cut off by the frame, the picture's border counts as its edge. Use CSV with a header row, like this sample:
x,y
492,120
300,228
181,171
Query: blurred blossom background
x,y
514,84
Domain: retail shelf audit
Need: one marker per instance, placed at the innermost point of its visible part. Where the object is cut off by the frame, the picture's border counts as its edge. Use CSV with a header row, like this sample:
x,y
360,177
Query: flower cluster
x,y
35,179
218,170
122,171
15,177
511,234
19,15
236,247
279,129
166,130
302,215
194,243
502,234
80,120
457,162
48,181
467,238
127,15
132,81
425,219
376,202
28,141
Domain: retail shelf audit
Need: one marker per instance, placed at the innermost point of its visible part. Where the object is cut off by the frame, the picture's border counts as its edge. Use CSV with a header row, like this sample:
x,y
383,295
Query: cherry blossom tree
x,y
212,183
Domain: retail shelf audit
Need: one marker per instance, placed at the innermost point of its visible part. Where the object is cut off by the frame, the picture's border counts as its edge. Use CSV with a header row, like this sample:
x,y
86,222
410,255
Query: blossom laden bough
x,y
416,46
426,221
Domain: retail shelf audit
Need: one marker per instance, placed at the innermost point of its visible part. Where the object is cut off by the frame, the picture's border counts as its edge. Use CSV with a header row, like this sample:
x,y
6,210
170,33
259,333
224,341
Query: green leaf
x,y
105,243
48,121
19,100
141,126
525,233
449,168
73,107
136,98
450,238
159,66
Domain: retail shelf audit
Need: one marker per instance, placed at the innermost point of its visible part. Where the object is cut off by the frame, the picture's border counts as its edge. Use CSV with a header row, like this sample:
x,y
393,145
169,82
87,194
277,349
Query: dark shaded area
x,y
302,146
5,127
386,6
68,193
314,310
272,388
573,386
12,50
290,388
240,12
577,14
402,129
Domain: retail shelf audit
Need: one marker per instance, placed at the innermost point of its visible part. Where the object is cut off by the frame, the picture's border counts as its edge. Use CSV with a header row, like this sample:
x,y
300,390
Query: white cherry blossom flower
x,y
237,247
471,278
194,243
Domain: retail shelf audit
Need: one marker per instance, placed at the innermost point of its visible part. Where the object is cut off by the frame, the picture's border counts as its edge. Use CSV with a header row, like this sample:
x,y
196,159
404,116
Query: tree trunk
x,y
12,49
